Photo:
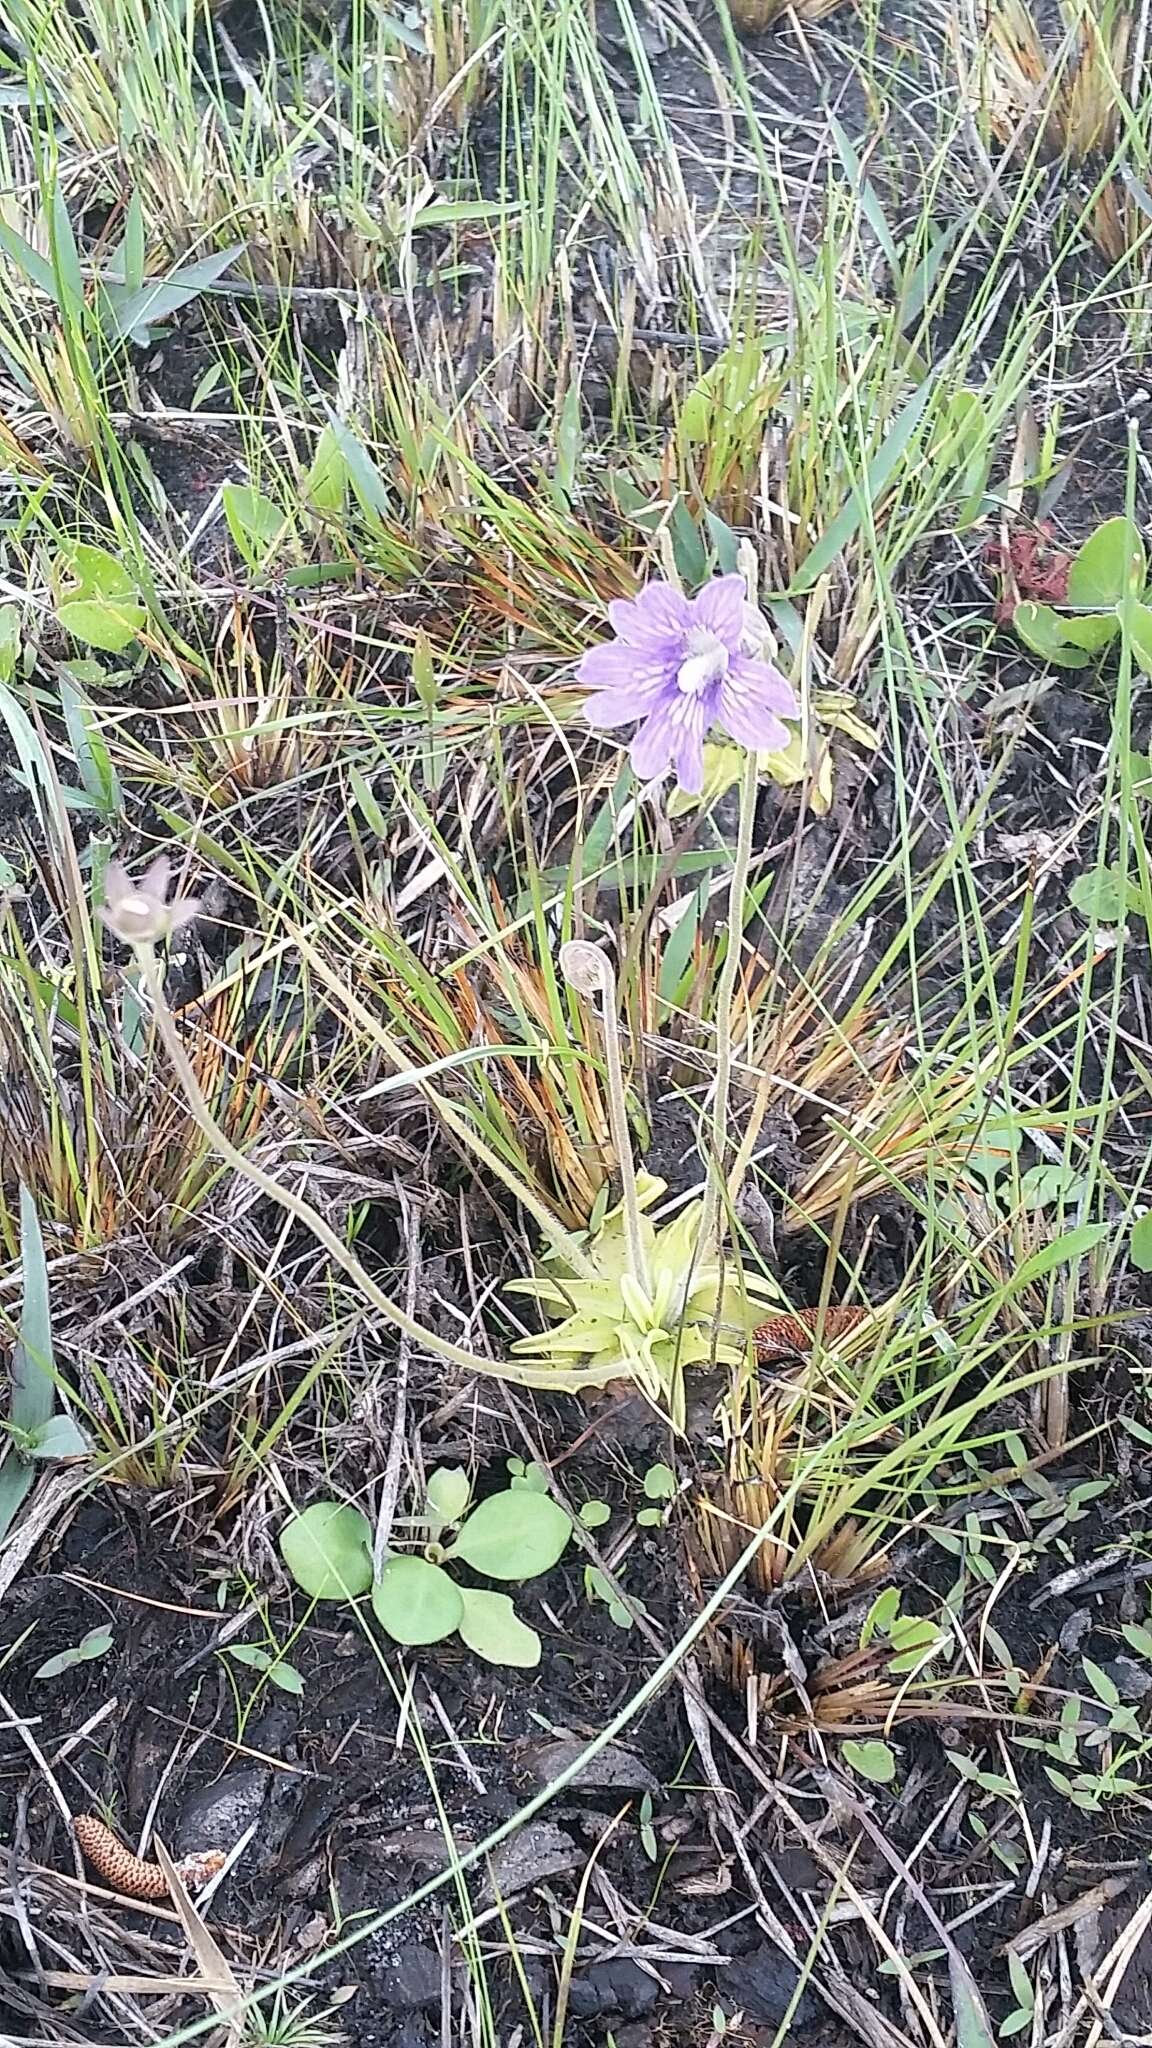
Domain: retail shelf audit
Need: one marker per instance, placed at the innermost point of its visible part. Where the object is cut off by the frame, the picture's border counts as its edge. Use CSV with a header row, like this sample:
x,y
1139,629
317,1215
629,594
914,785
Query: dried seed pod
x,y
793,1336
130,1875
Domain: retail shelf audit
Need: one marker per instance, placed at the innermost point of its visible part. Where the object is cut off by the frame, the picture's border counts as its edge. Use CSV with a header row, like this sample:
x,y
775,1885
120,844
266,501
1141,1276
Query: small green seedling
x,y
33,1431
276,1670
96,1643
597,1586
531,1475
1025,2008
96,599
648,1840
256,524
594,1514
913,1640
659,1485
513,1535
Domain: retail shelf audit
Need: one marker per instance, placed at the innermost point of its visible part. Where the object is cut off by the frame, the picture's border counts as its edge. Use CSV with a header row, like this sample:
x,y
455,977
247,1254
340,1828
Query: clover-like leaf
x,y
873,1760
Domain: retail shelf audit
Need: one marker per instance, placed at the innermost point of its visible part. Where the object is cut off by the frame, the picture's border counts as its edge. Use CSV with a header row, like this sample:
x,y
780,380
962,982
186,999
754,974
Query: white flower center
x,y
705,661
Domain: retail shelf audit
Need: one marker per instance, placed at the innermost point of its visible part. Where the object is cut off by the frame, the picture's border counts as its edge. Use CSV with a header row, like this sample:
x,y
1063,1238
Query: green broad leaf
x,y
325,487
99,777
534,1476
416,1602
873,1760
1102,896
33,1368
660,1482
98,622
973,2026
136,308
1041,1187
65,256
60,1437
251,1655
285,1676
255,523
10,641
96,1643
1042,631
688,550
1110,563
881,1615
513,1535
1137,1638
95,572
365,478
1091,631
1104,1687
491,1627
448,1495
1063,1251
1140,1243
35,267
328,1550
276,1670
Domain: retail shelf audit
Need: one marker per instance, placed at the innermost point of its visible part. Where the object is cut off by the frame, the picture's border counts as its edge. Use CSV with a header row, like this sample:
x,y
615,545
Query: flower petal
x,y
652,745
623,706
720,607
606,667
752,700
655,621
673,736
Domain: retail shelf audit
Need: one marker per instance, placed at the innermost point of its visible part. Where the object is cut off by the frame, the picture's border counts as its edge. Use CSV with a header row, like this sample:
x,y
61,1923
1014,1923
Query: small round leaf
x,y
328,1550
491,1627
513,1535
416,1602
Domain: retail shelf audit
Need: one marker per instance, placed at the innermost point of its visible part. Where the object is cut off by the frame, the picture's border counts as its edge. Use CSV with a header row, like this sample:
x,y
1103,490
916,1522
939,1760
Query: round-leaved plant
x,y
416,1601
328,1550
513,1535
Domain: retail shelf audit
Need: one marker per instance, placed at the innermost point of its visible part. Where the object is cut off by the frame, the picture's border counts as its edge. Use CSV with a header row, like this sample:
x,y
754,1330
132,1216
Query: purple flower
x,y
677,667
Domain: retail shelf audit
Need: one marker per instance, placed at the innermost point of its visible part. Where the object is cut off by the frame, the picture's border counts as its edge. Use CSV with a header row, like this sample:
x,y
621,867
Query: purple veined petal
x,y
655,621
759,682
720,609
677,738
623,706
689,763
652,745
752,711
613,667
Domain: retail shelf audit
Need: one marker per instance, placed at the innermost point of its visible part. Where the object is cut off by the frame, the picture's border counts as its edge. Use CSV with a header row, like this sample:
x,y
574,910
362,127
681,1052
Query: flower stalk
x,y
725,993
